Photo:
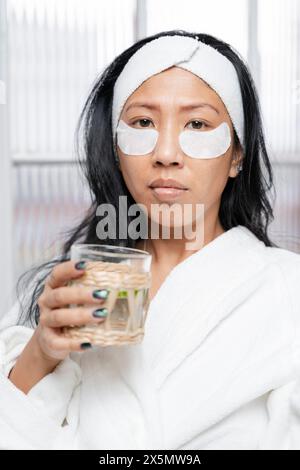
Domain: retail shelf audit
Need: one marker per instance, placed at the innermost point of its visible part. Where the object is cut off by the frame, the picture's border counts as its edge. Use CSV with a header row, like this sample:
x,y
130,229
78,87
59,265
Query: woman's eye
x,y
199,124
142,121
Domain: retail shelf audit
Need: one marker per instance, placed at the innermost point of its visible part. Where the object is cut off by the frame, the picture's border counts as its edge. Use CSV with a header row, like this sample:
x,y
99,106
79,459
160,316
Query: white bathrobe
x,y
219,366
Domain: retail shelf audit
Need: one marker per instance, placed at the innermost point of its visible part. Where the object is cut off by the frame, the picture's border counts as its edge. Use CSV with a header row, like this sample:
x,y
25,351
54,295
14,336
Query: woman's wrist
x,y
39,353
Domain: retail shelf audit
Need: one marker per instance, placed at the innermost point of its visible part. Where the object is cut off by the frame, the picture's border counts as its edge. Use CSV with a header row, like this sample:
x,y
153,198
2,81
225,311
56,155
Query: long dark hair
x,y
245,199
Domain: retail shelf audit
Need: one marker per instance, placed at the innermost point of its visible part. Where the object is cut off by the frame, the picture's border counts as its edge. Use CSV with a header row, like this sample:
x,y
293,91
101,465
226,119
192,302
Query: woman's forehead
x,y
177,87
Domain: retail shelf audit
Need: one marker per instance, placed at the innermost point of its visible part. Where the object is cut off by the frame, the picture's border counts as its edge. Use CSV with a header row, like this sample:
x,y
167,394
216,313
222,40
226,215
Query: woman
x,y
219,367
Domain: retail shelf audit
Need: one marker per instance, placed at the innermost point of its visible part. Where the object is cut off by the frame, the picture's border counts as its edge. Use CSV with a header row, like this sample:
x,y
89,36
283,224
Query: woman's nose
x,y
167,151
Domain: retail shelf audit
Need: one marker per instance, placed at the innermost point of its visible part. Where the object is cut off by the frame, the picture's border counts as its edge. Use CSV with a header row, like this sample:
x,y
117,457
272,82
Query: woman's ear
x,y
236,163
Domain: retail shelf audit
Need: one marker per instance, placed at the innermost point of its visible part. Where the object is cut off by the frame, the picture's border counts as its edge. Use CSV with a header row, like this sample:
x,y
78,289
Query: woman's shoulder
x,y
274,259
288,264
288,261
281,270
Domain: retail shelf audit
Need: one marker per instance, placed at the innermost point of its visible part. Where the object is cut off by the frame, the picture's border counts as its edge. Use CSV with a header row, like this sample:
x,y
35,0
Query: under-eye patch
x,y
195,144
206,144
134,141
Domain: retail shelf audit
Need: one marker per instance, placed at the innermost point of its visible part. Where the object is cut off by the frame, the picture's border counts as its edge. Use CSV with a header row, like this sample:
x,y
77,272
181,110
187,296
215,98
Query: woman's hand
x,y
55,313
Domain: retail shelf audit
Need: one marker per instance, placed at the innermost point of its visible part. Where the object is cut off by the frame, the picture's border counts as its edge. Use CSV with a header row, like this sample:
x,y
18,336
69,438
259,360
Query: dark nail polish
x,y
100,313
101,294
85,345
80,265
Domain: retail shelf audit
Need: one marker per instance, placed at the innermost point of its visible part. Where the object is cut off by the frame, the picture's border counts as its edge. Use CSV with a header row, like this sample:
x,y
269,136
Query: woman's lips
x,y
167,193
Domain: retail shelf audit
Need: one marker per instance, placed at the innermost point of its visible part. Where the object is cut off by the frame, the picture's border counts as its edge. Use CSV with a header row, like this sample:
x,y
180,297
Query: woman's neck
x,y
167,253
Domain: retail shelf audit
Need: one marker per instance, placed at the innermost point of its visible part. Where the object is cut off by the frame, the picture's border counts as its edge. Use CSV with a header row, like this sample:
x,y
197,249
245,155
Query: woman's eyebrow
x,y
186,107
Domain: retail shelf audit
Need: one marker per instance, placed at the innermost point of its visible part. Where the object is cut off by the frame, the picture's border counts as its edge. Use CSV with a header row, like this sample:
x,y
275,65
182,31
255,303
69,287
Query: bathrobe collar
x,y
196,295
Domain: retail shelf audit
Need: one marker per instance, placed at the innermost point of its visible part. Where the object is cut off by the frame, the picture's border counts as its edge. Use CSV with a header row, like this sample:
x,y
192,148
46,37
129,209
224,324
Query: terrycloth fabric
x,y
219,367
189,54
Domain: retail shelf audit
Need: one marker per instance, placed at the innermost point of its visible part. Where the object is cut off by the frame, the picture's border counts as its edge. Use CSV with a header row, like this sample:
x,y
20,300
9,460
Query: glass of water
x,y
126,274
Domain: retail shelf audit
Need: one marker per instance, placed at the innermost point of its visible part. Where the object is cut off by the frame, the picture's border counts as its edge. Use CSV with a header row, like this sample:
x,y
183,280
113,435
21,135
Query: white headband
x,y
189,54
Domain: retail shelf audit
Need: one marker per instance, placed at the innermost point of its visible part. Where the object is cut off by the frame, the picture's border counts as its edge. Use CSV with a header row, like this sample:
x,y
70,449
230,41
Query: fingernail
x,y
100,313
100,294
80,265
85,345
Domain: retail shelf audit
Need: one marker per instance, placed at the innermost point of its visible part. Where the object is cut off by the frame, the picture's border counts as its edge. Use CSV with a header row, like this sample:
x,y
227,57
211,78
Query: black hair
x,y
244,201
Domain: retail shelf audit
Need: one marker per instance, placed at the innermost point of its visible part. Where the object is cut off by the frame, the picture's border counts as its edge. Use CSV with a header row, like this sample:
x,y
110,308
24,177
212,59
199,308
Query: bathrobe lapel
x,y
216,302
194,299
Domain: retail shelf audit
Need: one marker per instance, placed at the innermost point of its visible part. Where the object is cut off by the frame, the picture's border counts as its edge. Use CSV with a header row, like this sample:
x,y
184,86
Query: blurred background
x,y
51,51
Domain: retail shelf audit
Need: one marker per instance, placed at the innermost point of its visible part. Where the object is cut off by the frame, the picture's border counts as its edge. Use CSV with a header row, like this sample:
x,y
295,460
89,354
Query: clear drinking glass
x,y
126,273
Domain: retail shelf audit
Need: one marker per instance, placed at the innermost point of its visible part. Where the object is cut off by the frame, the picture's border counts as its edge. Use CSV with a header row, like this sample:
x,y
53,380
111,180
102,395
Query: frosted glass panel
x,y
48,199
279,46
57,49
285,230
224,19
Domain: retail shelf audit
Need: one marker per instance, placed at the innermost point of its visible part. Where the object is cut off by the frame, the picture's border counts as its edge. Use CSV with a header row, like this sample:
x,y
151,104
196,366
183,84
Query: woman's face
x,y
167,93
